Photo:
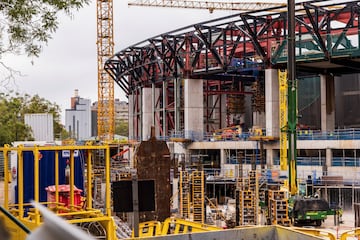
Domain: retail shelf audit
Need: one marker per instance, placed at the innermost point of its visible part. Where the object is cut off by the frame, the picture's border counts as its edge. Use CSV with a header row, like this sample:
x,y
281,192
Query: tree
x,y
12,111
122,128
28,24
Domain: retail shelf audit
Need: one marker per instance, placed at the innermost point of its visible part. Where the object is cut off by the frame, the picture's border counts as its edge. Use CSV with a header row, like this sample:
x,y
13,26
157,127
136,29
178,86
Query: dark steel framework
x,y
230,55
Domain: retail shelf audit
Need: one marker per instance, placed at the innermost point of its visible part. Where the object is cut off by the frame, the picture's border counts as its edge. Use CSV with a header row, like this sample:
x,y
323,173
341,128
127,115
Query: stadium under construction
x,y
208,135
213,91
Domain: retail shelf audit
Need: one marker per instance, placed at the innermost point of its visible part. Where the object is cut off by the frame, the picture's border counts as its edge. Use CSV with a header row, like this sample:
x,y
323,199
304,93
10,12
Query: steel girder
x,y
237,48
207,50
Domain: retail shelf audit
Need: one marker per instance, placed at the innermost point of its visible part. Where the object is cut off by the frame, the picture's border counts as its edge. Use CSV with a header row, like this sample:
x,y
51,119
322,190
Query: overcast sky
x,y
69,60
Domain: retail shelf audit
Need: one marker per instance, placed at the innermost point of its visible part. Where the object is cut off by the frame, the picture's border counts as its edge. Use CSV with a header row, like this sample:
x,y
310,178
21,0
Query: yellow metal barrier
x,y
184,226
317,232
350,233
30,217
149,229
172,226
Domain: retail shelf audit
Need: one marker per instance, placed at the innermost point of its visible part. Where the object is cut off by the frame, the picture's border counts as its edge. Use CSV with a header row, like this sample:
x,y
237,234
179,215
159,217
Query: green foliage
x,y
12,111
122,128
28,24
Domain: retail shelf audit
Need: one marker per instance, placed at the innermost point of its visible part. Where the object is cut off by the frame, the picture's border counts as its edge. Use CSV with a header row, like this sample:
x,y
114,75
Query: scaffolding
x,y
184,189
247,195
278,207
198,196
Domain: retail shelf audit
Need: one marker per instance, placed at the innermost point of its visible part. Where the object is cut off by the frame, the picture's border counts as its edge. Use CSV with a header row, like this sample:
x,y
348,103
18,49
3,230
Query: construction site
x,y
242,127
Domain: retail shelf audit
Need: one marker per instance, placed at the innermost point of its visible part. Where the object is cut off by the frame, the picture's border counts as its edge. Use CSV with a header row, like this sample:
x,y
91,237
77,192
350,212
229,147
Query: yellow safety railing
x,y
317,232
350,233
172,226
30,217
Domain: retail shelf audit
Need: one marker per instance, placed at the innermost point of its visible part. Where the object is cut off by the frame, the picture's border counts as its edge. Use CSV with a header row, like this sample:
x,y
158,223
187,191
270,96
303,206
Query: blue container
x,y
47,172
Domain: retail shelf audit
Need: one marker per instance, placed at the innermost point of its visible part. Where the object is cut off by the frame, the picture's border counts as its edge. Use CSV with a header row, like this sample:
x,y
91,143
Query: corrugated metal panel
x,y
42,126
2,166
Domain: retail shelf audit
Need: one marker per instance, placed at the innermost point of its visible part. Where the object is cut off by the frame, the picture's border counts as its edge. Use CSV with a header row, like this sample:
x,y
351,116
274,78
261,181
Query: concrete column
x,y
131,116
194,108
269,158
329,157
259,120
222,161
146,113
215,107
218,103
223,118
164,121
327,92
156,111
272,103
175,187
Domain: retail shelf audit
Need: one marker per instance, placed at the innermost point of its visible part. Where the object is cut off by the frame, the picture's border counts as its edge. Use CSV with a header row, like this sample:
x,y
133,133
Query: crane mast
x,y
105,49
210,5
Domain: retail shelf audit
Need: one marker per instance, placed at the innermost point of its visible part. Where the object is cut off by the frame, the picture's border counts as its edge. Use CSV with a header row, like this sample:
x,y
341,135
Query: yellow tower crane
x,y
105,49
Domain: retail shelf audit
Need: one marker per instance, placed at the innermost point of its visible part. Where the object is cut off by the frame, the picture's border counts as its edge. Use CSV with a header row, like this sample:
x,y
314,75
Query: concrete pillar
x,y
222,161
194,108
259,120
328,160
131,116
214,108
327,92
156,111
269,158
272,103
223,109
164,120
146,113
175,187
217,103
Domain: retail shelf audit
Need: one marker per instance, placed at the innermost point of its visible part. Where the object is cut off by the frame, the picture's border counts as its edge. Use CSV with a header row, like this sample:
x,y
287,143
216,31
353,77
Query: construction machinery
x,y
228,133
309,211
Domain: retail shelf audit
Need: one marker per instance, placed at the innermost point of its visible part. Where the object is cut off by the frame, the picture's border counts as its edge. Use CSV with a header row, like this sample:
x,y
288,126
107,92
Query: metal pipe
x,y
36,183
292,105
72,177
20,177
6,176
56,176
107,182
89,180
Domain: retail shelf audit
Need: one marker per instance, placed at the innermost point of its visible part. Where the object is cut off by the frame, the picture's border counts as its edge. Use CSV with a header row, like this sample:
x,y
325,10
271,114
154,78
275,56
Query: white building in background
x,y
42,126
78,118
121,111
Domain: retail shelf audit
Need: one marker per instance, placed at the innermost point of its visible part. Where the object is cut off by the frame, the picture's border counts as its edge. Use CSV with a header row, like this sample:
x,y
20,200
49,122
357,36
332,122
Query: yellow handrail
x,y
350,233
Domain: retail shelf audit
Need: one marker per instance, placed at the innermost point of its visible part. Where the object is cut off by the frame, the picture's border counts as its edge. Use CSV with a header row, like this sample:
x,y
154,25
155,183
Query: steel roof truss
x,y
174,50
162,55
208,44
315,27
252,34
349,24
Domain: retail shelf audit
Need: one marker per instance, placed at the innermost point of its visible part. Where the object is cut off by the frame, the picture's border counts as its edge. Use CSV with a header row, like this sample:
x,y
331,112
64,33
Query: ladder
x,y
198,196
184,187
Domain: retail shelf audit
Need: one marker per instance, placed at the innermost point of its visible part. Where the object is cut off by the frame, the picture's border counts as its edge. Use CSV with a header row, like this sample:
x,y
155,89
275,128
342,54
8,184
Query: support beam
x,y
327,89
272,102
194,109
